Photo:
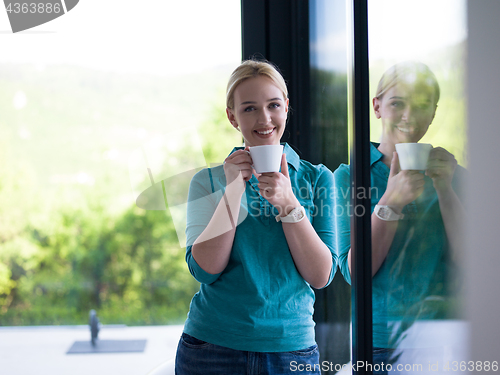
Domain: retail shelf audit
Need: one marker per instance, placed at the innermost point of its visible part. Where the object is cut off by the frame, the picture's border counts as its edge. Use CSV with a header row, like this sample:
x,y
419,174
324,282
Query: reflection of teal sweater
x,y
260,302
412,279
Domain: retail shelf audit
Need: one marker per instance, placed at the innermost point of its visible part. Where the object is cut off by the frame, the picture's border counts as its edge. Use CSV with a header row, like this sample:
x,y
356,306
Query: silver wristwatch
x,y
386,213
296,215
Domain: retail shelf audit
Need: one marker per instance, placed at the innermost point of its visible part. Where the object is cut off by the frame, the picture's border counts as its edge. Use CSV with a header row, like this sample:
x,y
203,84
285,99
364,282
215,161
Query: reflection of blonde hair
x,y
411,73
252,69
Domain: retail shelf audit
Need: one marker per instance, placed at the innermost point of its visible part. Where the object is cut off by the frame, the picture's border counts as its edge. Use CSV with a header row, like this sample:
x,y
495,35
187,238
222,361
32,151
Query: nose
x,y
264,117
407,113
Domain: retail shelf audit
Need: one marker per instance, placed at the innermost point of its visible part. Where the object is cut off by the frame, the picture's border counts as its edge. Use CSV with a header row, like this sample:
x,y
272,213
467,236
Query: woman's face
x,y
406,112
259,111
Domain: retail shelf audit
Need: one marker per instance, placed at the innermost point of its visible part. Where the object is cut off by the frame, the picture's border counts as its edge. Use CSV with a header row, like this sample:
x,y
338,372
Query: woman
x,y
415,216
255,258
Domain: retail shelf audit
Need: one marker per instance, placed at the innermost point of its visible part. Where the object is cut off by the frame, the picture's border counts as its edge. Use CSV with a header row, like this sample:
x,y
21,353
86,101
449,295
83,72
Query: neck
x,y
387,149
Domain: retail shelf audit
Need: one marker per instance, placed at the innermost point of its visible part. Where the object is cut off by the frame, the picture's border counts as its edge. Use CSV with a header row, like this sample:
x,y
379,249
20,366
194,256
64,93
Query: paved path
x,y
42,350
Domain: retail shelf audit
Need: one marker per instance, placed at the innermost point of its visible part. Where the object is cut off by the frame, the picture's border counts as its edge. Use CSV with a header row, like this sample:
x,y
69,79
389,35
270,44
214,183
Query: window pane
x,y
417,79
98,107
328,58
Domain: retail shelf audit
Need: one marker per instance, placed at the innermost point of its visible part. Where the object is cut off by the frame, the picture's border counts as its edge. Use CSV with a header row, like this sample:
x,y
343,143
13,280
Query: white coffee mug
x,y
413,156
266,158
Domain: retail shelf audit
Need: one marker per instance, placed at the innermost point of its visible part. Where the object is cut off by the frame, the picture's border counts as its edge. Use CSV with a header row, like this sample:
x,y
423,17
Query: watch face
x,y
299,214
384,212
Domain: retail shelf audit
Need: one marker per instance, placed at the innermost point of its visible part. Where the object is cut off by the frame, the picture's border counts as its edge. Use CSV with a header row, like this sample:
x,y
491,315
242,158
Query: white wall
x,y
483,211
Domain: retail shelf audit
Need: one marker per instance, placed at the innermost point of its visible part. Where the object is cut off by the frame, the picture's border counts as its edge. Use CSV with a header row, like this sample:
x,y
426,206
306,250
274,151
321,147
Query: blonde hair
x,y
409,72
251,69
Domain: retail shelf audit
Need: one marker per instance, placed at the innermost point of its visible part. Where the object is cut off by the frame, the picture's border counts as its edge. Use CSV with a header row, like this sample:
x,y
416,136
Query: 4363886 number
x,y
471,366
33,8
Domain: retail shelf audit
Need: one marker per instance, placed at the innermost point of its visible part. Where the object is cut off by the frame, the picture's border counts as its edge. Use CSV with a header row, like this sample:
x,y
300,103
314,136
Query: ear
x,y
232,118
376,107
286,111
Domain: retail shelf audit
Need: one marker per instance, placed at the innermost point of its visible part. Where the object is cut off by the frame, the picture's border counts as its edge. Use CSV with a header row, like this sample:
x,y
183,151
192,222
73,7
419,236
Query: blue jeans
x,y
196,357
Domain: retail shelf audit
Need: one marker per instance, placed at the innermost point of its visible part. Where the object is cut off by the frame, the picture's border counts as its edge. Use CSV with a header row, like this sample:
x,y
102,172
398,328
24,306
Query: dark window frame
x,y
361,266
278,30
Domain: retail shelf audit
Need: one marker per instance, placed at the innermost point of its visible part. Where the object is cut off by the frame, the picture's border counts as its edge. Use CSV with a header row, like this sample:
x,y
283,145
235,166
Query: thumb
x,y
394,165
284,166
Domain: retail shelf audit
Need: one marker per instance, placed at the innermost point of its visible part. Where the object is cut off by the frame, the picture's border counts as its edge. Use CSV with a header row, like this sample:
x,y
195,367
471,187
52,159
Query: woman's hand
x,y
277,189
440,168
403,187
238,166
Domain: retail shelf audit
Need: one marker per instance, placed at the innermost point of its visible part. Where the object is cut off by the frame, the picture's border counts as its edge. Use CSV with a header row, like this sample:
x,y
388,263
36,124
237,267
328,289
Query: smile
x,y
265,132
404,130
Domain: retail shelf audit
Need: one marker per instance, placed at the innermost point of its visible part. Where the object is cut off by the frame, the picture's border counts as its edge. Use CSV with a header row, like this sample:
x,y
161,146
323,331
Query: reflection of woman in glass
x,y
255,257
415,215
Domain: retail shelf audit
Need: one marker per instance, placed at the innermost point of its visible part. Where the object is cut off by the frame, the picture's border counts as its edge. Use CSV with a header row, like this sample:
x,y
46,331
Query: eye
x,y
423,106
274,105
249,109
397,104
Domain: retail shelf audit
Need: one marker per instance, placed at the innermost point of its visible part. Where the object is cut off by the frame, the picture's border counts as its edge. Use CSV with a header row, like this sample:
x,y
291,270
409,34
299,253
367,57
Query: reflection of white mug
x,y
413,156
266,158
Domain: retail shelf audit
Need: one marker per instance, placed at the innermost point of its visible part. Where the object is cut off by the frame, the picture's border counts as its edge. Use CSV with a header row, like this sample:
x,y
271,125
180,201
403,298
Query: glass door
x,y
418,166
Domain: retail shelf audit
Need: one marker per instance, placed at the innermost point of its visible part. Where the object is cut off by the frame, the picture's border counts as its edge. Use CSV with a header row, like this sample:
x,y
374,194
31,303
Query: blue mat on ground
x,y
107,346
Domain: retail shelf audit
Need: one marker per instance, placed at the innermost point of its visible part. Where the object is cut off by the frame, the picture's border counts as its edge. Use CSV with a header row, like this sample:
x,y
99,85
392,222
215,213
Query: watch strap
x,y
386,213
296,215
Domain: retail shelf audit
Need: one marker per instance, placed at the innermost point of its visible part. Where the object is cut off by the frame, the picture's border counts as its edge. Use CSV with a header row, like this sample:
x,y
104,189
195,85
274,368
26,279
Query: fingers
x,y
412,178
394,165
239,161
239,156
417,179
413,183
275,187
268,180
404,187
267,192
441,164
273,181
440,153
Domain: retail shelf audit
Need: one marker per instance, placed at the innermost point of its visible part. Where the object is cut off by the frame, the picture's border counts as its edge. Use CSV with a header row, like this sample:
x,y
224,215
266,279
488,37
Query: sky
x,y
398,30
169,37
165,37
405,30
158,37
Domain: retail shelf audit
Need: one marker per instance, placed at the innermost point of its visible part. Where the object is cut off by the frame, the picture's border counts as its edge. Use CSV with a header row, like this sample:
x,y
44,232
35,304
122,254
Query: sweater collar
x,y
375,154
